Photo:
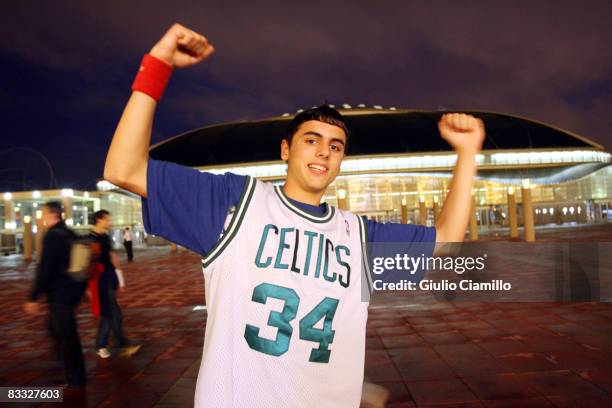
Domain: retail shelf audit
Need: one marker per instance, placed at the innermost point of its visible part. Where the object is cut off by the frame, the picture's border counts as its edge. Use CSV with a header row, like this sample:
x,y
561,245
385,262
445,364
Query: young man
x,y
283,273
63,293
105,291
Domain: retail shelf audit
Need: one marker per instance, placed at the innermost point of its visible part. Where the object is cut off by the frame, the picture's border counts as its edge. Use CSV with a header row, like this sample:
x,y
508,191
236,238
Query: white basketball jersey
x,y
286,294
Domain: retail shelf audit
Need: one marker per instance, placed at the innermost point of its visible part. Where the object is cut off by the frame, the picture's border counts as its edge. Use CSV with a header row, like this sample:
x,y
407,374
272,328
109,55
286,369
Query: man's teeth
x,y
315,167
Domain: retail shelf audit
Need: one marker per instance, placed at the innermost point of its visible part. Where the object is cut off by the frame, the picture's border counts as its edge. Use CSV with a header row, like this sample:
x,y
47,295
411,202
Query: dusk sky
x,y
67,67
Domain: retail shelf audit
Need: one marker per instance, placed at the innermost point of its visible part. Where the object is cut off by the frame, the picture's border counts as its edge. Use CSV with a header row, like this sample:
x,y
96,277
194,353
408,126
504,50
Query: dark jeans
x,y
112,322
128,250
63,330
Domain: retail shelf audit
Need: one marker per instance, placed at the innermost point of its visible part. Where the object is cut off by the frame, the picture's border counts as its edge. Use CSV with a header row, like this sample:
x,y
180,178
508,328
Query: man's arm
x,y
126,161
465,134
43,274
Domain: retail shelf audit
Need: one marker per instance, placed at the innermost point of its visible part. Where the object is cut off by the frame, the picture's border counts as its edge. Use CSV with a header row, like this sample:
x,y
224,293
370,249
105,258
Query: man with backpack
x,y
63,292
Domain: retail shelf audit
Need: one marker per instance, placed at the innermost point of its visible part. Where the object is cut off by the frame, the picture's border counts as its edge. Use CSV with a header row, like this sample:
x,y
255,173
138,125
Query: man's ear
x,y
284,150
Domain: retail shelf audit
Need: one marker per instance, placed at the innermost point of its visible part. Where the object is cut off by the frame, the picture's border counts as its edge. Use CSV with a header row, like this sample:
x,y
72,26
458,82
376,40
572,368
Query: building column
x,y
512,216
436,209
40,233
27,238
559,215
342,200
528,211
422,211
9,212
67,203
404,211
473,221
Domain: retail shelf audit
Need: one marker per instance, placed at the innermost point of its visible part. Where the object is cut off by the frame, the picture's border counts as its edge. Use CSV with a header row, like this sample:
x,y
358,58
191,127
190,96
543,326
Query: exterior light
x,y
69,221
86,194
11,225
436,199
346,106
579,210
67,192
526,183
571,210
8,196
27,219
35,205
342,194
545,211
35,194
551,210
511,190
403,201
421,199
564,210
38,214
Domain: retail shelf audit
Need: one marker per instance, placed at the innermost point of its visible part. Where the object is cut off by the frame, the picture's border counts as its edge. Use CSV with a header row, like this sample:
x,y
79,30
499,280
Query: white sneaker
x,y
104,353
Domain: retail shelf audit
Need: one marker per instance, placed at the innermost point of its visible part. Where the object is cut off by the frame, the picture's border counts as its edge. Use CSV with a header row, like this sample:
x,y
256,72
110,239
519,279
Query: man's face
x,y
105,222
314,157
49,218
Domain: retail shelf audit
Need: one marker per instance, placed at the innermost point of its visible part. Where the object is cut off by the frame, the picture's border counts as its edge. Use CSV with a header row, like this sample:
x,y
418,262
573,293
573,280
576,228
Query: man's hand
x,y
182,47
464,133
31,308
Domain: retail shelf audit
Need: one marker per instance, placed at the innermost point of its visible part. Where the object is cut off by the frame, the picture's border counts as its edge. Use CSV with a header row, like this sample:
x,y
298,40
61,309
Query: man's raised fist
x,y
182,47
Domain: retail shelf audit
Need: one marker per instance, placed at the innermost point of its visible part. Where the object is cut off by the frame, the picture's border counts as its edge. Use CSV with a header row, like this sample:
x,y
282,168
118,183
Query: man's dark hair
x,y
54,207
98,215
323,113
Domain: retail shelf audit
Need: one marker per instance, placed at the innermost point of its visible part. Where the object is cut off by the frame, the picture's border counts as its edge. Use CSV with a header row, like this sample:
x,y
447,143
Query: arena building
x,y
397,161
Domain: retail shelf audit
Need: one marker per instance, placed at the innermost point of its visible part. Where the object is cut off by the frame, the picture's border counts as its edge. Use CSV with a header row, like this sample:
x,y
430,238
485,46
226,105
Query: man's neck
x,y
98,230
298,194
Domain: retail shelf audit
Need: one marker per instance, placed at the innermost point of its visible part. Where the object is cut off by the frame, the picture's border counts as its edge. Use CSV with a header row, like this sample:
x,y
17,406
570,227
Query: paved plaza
x,y
425,352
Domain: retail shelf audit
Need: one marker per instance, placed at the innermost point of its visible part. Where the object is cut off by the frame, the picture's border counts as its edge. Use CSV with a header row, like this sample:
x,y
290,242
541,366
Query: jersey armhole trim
x,y
365,257
235,223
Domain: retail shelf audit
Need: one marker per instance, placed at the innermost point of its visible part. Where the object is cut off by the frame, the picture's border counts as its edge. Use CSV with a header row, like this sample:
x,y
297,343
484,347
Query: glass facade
x,y
79,209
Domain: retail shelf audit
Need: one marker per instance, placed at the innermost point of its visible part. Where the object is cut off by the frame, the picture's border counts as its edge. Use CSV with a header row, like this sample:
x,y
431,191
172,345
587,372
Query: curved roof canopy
x,y
373,131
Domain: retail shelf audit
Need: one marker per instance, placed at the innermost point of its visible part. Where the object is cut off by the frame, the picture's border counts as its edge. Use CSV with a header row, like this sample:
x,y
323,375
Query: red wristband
x,y
152,77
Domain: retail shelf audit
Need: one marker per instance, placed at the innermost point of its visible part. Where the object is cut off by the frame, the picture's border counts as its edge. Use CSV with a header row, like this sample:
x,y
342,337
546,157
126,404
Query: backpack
x,y
84,253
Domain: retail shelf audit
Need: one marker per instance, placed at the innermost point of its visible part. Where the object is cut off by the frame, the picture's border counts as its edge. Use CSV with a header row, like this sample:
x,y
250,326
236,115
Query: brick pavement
x,y
425,352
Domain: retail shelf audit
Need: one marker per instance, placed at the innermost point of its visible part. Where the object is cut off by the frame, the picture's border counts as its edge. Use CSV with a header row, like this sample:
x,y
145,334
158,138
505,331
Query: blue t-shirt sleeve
x,y
388,240
393,232
186,206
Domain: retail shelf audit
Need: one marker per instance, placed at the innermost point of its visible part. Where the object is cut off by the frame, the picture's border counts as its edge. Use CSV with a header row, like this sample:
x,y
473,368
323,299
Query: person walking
x,y
127,243
103,288
63,293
